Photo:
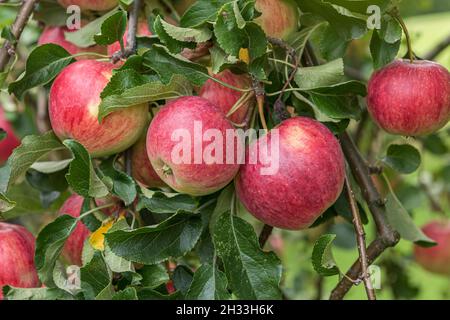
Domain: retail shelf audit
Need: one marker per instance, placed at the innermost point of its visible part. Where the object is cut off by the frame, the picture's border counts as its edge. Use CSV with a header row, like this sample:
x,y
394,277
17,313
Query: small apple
x,y
410,99
141,168
308,180
279,18
142,30
73,110
435,259
224,97
10,142
57,36
94,5
183,153
17,267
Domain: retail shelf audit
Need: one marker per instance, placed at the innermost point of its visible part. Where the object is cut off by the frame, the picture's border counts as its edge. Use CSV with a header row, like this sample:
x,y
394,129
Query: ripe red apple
x,y
224,97
196,169
94,5
17,267
142,169
56,35
8,144
436,259
410,99
308,181
142,30
279,18
73,110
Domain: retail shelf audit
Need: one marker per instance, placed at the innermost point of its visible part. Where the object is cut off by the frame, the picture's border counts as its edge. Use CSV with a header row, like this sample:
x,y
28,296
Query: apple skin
x,y
10,142
190,178
73,109
309,180
224,97
56,35
142,31
410,99
279,18
94,5
435,259
17,267
141,168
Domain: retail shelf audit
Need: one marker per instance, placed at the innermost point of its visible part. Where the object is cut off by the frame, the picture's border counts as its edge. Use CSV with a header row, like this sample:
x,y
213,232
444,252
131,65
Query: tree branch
x,y
361,240
438,49
19,24
264,235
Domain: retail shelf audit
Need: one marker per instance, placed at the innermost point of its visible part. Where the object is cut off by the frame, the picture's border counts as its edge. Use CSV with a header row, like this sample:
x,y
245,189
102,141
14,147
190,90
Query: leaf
x,y
124,186
174,46
43,65
153,276
95,277
81,176
198,35
309,78
49,244
112,29
160,203
299,39
50,166
12,293
97,238
251,272
337,107
322,256
167,65
114,262
208,283
223,205
402,158
202,11
220,60
173,237
126,294
382,52
84,37
140,91
391,31
182,279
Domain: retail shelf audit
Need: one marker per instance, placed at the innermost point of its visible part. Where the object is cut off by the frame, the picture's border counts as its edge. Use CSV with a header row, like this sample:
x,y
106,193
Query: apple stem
x,y
407,35
109,205
229,86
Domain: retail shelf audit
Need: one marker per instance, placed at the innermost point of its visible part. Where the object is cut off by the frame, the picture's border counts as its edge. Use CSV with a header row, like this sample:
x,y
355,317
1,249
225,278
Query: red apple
x,y
56,35
308,181
17,267
142,169
8,144
436,259
410,99
279,18
73,110
195,169
94,5
224,97
141,31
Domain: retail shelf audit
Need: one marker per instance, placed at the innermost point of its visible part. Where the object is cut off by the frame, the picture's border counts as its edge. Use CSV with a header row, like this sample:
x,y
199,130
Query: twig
x,y
260,99
132,32
361,240
438,49
264,235
22,18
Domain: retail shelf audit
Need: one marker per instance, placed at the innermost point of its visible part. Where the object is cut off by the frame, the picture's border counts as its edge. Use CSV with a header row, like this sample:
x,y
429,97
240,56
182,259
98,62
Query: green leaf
x,y
126,294
84,37
332,45
299,39
112,29
328,74
322,256
124,186
174,45
201,34
12,293
202,11
182,279
81,176
337,107
251,272
139,91
230,38
153,276
220,60
403,158
50,166
167,65
223,205
49,244
95,276
382,52
115,263
209,283
391,31
173,237
43,65
160,203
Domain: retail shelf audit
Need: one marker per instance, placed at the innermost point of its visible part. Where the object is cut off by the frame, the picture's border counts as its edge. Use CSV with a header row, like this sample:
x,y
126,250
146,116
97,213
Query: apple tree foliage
x,y
211,240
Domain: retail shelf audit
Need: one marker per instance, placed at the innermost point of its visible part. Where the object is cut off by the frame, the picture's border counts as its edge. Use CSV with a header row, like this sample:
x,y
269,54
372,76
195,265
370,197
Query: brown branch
x,y
361,240
19,24
438,49
131,47
264,235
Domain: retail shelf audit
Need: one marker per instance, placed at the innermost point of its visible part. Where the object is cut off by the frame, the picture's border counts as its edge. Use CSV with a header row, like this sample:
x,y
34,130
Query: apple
x,y
141,168
179,150
435,259
94,5
308,179
57,36
410,99
17,267
10,142
224,97
142,30
73,110
279,18
73,248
